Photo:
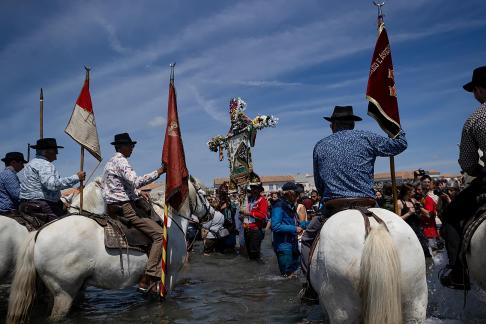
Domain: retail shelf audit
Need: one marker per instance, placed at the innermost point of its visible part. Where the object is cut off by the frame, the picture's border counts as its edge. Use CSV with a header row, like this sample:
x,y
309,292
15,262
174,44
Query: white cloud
x,y
157,121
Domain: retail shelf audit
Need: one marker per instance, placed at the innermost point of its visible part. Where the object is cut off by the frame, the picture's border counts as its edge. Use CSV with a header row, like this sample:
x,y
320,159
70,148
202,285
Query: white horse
x,y
380,279
476,258
70,254
12,235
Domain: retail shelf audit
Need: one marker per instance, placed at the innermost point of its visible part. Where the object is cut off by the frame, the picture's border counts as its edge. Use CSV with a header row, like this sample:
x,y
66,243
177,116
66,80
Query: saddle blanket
x,y
120,236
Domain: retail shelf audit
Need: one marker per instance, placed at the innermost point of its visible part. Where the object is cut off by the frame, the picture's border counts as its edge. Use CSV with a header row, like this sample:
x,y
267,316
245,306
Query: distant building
x,y
306,179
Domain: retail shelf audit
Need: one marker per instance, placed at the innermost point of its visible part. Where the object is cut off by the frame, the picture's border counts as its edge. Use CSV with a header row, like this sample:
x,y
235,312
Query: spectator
x,y
254,216
285,228
409,211
388,197
429,211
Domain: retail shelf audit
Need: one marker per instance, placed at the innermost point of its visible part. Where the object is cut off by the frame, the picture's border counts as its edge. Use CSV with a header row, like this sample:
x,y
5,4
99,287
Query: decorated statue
x,y
238,143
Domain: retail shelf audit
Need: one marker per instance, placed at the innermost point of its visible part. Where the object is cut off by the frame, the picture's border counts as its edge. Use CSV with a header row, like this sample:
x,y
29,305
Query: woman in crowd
x,y
407,209
427,215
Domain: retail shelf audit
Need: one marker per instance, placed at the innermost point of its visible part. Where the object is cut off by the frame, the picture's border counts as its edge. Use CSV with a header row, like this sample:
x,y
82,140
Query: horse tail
x,y
379,284
23,288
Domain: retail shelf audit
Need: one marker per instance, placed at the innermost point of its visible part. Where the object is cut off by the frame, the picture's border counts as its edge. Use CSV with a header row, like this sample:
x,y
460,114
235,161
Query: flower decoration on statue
x,y
217,142
264,121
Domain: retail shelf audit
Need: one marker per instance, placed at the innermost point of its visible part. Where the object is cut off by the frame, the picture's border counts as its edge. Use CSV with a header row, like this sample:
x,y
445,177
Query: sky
x,y
295,60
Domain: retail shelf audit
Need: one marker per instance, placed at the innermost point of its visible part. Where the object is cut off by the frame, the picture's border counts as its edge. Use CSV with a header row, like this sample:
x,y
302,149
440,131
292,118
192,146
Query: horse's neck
x,y
92,200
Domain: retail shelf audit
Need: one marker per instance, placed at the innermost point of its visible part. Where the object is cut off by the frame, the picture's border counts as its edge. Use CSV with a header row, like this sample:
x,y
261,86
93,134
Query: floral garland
x,y
263,121
216,142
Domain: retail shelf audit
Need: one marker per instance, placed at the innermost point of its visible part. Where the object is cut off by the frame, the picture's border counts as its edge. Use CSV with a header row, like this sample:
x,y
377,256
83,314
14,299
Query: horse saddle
x,y
30,215
121,235
470,228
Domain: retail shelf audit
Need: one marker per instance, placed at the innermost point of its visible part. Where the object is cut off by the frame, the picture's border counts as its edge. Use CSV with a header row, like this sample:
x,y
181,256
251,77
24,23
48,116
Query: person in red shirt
x,y
429,212
254,218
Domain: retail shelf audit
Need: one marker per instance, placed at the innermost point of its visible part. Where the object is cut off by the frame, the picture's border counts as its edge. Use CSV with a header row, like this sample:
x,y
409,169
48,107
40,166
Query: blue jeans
x,y
288,261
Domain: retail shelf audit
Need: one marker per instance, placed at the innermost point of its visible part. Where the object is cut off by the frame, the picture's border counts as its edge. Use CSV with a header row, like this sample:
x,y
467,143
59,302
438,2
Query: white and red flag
x,y
82,125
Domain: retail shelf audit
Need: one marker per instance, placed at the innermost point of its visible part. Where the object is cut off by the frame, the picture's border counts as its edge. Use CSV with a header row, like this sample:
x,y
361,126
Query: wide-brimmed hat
x,y
14,156
343,113
46,143
123,138
479,74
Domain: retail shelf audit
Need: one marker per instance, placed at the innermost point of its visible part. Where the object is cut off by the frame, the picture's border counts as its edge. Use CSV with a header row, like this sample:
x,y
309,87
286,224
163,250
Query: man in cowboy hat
x,y
120,191
9,182
40,183
254,217
465,204
344,172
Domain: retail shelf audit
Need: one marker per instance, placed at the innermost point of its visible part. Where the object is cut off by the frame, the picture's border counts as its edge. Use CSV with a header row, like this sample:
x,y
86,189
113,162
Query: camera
x,y
440,192
417,206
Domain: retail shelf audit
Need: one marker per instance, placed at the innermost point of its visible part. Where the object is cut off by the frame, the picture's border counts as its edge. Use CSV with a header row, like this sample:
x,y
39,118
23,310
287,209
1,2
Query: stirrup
x,y
148,290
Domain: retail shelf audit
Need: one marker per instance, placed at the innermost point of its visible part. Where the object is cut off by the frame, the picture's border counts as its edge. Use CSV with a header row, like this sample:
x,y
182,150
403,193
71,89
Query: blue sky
x,y
292,59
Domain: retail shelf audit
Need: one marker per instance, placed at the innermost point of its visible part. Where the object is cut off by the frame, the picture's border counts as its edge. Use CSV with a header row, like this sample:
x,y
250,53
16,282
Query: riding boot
x,y
308,295
454,277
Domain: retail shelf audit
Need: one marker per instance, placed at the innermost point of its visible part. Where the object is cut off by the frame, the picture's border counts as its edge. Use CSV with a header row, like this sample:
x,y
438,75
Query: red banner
x,y
176,186
381,92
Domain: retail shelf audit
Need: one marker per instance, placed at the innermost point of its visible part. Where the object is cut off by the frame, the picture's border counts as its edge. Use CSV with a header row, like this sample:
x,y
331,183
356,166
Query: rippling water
x,y
220,288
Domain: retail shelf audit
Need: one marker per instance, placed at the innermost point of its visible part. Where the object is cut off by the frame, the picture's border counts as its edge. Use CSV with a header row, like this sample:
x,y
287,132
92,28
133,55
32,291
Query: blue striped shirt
x,y
40,180
9,190
344,162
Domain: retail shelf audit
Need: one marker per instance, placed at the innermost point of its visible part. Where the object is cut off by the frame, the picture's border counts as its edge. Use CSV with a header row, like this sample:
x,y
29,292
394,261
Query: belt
x,y
349,203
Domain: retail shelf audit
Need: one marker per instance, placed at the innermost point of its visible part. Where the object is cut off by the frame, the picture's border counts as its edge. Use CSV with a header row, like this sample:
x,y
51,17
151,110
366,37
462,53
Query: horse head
x,y
92,199
197,204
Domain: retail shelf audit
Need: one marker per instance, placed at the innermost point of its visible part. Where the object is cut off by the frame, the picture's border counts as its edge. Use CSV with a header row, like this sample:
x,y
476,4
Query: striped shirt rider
x,y
39,180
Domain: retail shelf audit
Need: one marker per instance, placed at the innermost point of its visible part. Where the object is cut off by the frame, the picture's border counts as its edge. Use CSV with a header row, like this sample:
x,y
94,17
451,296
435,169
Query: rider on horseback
x,y
41,185
343,173
465,204
120,184
9,182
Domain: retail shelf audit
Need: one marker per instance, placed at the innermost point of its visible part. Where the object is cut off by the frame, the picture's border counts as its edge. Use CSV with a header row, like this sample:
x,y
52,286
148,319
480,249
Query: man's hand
x,y
298,229
81,175
145,195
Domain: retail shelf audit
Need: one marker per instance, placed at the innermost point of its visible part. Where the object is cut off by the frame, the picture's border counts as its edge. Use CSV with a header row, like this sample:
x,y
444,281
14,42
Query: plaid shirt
x,y
344,162
120,182
39,179
473,138
9,190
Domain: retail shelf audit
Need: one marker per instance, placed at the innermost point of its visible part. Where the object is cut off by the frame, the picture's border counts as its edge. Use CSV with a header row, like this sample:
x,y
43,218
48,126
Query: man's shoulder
x,y
478,114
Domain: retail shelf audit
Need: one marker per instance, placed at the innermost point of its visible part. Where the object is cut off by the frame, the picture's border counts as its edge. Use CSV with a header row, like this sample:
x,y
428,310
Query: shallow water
x,y
221,288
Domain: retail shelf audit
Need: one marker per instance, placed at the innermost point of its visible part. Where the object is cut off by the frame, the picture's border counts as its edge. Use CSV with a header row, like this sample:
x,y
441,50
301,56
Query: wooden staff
x,y
394,184
41,117
81,163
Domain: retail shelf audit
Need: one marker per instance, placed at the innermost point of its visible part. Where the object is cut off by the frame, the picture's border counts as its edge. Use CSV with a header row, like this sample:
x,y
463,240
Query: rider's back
x,y
344,162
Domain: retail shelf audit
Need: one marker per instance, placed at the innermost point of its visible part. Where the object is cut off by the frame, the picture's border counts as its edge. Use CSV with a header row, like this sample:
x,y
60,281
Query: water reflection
x,y
220,288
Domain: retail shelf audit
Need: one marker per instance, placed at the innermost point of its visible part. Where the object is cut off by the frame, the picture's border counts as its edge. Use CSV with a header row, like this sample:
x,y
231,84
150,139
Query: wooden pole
x,y
28,152
41,103
394,184
81,163
81,184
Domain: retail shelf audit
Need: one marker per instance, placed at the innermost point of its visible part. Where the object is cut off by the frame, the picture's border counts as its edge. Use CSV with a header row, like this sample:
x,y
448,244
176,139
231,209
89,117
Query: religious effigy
x,y
238,143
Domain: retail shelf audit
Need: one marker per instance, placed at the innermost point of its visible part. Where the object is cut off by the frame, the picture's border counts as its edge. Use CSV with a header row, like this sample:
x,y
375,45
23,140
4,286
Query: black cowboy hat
x,y
292,186
123,138
14,156
479,74
343,113
46,143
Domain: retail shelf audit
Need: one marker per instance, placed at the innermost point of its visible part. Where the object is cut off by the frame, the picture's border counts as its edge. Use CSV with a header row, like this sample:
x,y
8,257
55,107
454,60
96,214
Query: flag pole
x,y
41,114
165,240
392,158
81,162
